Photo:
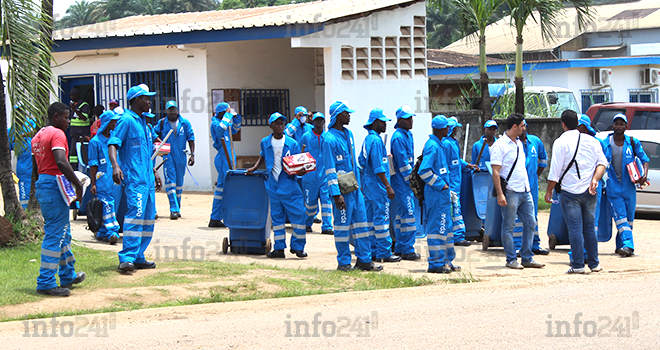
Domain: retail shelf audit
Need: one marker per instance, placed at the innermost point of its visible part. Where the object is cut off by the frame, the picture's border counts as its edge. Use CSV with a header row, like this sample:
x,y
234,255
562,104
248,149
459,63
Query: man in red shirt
x,y
50,155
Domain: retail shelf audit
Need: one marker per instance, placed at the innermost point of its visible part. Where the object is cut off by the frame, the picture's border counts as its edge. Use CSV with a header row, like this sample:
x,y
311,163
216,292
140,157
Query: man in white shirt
x,y
578,163
507,157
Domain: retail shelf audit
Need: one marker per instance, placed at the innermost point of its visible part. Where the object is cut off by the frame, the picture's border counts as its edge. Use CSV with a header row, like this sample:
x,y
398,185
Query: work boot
x,y
541,251
79,278
113,239
441,269
345,268
173,216
216,223
178,214
463,243
391,258
454,268
308,229
145,265
370,266
327,232
299,253
625,252
276,254
317,220
411,256
55,292
126,266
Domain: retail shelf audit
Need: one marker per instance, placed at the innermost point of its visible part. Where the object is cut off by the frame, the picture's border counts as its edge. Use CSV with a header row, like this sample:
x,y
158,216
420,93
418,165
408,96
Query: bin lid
x,y
481,189
245,200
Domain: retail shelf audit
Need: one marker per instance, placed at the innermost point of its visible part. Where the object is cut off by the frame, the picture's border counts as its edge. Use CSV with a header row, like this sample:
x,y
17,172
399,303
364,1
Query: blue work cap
x,y
490,123
106,118
221,107
275,116
171,103
404,112
318,115
620,116
586,121
148,114
439,122
336,108
300,109
376,113
137,91
456,123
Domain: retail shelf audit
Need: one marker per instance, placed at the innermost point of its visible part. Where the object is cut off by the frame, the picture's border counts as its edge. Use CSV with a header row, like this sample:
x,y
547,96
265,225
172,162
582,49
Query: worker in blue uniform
x,y
23,153
286,198
100,173
485,142
174,169
350,215
434,171
456,168
314,186
298,126
225,121
621,190
536,160
402,148
139,177
376,187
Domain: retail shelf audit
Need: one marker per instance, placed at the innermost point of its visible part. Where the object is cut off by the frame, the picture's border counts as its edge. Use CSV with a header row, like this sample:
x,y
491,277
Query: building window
x,y
258,104
643,95
592,97
163,82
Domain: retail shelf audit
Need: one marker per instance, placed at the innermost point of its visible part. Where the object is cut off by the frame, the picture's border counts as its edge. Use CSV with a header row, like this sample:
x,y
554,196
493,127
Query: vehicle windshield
x,y
565,100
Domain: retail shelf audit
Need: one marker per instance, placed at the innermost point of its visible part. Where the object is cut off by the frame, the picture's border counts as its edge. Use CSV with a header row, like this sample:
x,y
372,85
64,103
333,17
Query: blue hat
x,y
376,113
586,121
300,109
490,123
148,114
106,118
457,124
404,112
275,116
439,122
221,107
171,103
620,116
137,91
336,108
318,115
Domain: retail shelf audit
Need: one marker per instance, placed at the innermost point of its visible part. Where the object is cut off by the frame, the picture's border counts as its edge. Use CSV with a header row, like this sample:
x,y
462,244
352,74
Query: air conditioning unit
x,y
602,77
651,77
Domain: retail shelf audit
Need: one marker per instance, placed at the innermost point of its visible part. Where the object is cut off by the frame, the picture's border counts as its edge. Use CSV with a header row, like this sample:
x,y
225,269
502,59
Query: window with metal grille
x,y
643,95
163,82
592,97
258,104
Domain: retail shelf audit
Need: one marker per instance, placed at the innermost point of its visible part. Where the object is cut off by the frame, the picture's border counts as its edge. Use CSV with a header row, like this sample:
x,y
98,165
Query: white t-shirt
x,y
503,153
278,147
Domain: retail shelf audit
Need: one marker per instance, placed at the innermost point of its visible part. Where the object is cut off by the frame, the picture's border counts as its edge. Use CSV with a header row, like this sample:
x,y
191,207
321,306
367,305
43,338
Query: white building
x,y
369,52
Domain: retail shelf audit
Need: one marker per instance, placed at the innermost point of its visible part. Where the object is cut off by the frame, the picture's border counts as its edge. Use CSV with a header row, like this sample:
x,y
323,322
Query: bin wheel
x,y
75,214
485,243
269,246
225,245
480,238
552,241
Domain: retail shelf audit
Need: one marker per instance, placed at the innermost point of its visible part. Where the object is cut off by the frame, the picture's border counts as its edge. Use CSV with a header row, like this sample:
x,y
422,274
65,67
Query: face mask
x,y
303,119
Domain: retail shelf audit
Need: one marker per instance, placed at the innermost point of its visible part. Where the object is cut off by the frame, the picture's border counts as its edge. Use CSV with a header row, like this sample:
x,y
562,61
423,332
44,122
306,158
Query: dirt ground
x,y
189,238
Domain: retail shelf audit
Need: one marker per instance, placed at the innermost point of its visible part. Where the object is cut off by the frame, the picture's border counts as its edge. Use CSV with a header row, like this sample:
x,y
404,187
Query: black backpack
x,y
416,182
94,214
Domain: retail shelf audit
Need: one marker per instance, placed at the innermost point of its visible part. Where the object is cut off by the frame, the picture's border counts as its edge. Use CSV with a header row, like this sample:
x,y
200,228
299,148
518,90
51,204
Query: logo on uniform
x,y
628,152
443,170
454,162
340,157
533,150
102,161
384,160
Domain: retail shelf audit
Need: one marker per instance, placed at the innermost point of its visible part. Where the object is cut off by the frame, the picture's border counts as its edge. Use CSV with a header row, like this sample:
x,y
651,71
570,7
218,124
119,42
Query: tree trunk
x,y
486,106
9,197
520,97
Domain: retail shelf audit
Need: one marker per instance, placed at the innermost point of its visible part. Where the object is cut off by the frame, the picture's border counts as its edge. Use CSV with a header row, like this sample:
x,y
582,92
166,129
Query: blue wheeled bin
x,y
474,198
246,211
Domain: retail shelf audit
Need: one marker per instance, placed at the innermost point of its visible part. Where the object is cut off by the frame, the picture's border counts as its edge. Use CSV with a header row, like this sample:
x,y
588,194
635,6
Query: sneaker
x,y
514,265
327,232
597,269
533,264
79,278
276,254
573,270
113,239
55,292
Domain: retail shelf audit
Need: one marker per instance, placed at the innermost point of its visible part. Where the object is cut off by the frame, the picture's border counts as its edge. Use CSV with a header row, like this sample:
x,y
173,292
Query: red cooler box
x,y
293,164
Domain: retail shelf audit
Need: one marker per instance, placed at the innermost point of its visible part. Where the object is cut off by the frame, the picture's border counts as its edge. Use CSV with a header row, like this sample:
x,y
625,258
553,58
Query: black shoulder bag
x,y
558,185
502,180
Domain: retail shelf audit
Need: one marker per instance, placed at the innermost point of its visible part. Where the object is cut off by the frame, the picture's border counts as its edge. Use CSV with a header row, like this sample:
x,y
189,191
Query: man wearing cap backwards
x,y
402,147
225,119
286,199
508,160
376,187
298,126
349,210
100,173
490,129
175,162
536,160
456,168
131,139
621,151
314,186
434,171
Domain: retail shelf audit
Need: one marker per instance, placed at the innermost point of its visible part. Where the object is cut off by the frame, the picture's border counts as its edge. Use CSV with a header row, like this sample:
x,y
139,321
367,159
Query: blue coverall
x,y
434,171
536,157
286,199
456,167
373,161
134,140
23,164
339,158
314,186
295,131
485,156
402,147
106,190
220,134
176,162
623,194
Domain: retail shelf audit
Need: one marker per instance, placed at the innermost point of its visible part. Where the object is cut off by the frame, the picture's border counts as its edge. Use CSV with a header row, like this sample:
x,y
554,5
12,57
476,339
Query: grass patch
x,y
460,277
542,204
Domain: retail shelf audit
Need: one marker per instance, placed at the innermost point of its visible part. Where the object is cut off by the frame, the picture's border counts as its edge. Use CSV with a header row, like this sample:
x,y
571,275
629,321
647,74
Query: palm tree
x,y
546,13
81,13
29,58
441,26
